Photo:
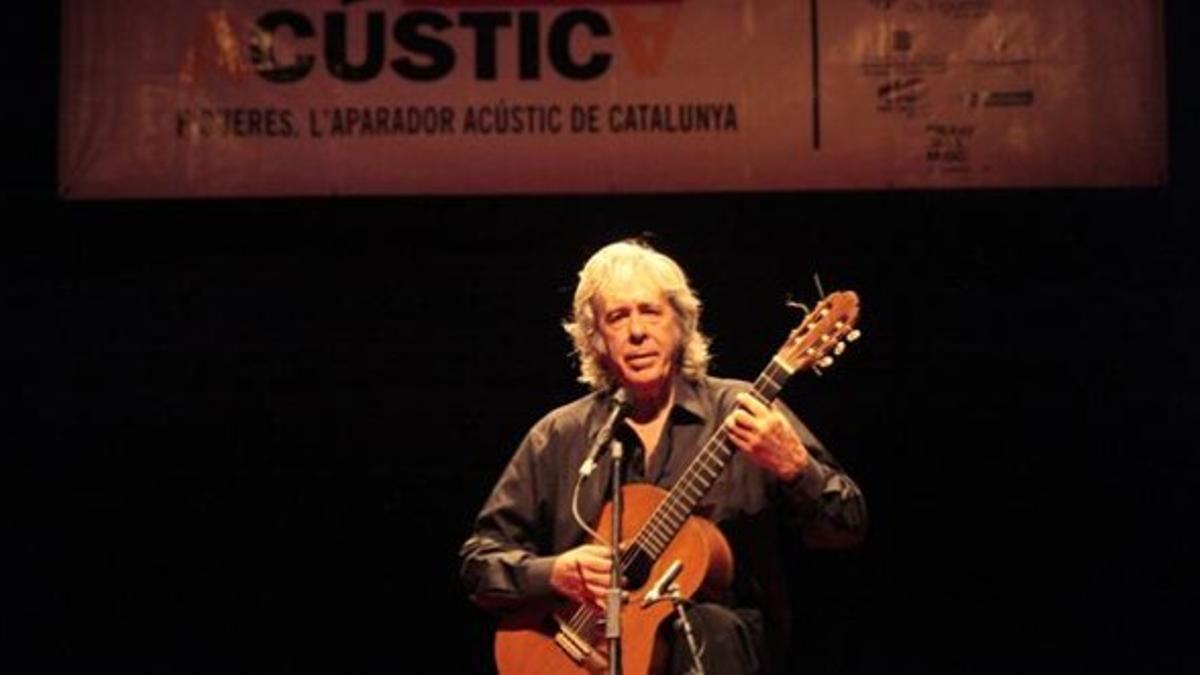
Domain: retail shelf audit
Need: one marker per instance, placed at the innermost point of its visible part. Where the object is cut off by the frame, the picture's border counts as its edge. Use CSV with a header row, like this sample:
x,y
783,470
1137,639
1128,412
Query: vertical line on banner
x,y
816,76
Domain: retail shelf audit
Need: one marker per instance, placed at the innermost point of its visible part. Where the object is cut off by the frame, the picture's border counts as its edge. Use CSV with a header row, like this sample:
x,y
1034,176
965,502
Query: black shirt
x,y
527,519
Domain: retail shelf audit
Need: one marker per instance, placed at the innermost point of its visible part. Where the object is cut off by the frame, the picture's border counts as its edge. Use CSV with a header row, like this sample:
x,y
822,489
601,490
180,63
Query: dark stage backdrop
x,y
249,436
253,435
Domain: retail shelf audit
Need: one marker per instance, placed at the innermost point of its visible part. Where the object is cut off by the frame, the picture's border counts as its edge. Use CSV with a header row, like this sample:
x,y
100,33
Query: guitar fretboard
x,y
698,479
808,345
673,511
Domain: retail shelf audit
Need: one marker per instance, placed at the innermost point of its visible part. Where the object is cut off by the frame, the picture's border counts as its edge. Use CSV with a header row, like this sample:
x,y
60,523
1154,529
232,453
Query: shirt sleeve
x,y
828,503
502,563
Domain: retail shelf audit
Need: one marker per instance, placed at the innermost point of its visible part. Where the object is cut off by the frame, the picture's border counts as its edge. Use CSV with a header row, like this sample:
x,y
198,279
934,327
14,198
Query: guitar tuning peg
x,y
839,348
825,362
853,335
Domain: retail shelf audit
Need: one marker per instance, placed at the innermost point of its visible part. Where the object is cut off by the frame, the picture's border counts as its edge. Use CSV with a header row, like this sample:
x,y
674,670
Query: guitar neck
x,y
702,473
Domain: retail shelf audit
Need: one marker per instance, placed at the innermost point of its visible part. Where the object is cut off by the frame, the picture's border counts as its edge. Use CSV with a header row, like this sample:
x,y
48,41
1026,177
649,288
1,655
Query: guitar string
x,y
584,621
680,499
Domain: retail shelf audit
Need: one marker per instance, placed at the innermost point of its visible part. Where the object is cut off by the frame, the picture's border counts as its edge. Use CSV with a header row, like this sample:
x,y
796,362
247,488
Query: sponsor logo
x,y
908,96
949,146
998,99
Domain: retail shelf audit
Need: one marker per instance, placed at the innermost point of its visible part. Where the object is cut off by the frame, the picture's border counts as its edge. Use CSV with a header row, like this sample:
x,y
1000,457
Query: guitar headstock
x,y
823,334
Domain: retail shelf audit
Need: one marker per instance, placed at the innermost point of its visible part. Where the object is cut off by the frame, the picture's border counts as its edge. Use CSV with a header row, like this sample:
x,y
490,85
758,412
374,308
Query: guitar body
x,y
543,642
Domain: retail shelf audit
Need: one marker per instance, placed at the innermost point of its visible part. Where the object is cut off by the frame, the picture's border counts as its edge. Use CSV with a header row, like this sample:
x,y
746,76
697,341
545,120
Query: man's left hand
x,y
765,435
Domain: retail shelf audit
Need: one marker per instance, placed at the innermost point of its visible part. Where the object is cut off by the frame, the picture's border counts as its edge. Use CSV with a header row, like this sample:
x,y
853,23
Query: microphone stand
x,y
666,589
612,619
678,601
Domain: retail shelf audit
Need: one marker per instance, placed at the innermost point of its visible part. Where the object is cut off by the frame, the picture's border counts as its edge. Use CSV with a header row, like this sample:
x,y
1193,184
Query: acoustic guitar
x,y
658,530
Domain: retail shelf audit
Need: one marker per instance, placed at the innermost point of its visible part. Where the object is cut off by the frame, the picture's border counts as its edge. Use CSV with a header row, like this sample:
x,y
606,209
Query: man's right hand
x,y
582,574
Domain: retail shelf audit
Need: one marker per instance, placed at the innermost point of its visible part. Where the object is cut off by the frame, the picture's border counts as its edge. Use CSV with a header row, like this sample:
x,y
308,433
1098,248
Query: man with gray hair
x,y
635,328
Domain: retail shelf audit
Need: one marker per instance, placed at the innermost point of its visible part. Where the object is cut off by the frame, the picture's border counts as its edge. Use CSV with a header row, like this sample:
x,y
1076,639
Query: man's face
x,y
641,333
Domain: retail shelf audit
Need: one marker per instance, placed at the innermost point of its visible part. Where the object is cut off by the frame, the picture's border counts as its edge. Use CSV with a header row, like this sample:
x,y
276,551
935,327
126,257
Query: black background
x,y
249,435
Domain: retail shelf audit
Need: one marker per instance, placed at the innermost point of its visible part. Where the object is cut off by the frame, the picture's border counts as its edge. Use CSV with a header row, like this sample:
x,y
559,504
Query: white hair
x,y
623,260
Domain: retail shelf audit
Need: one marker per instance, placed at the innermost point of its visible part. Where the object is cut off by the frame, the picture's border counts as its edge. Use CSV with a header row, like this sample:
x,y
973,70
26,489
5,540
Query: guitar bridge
x,y
578,649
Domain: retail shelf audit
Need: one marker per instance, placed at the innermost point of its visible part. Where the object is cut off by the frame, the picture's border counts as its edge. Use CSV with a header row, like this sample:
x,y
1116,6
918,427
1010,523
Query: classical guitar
x,y
658,530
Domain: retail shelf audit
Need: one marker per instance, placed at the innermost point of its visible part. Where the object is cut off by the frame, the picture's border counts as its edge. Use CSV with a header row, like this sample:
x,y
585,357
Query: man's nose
x,y
636,330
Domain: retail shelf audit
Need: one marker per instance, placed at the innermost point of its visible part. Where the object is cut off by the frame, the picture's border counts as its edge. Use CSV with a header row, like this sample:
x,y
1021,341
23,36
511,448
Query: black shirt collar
x,y
688,401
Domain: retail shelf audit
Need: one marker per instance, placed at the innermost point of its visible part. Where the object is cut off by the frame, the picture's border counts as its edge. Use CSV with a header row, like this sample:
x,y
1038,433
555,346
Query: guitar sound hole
x,y
637,568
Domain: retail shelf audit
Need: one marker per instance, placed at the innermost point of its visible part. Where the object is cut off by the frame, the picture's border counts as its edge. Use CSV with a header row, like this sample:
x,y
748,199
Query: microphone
x,y
622,406
663,586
